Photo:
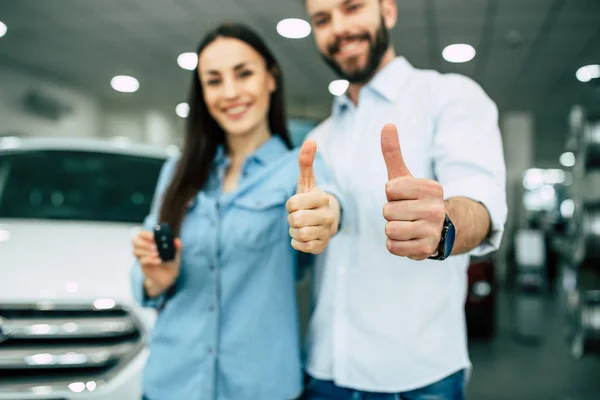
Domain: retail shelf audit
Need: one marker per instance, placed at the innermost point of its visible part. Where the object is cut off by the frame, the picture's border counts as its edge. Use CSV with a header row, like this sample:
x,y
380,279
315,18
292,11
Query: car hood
x,y
65,261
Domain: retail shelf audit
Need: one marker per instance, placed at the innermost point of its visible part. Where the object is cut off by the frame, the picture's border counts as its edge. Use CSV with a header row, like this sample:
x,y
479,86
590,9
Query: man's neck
x,y
354,88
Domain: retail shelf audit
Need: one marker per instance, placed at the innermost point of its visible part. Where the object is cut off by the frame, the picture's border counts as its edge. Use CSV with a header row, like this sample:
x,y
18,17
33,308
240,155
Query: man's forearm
x,y
471,220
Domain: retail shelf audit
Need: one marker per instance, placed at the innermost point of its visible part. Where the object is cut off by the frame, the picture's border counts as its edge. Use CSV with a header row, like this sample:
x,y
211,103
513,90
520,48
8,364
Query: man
x,y
419,157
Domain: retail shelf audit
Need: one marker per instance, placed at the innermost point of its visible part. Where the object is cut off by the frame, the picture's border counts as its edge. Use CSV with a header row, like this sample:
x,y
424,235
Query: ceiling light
x,y
458,53
188,61
338,87
588,72
567,159
3,29
125,84
182,110
293,28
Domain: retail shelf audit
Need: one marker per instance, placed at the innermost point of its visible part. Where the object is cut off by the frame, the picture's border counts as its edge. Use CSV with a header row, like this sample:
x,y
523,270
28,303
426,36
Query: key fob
x,y
165,242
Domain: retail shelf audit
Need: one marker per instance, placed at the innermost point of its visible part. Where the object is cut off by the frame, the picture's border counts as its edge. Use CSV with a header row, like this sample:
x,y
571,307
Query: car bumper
x,y
125,385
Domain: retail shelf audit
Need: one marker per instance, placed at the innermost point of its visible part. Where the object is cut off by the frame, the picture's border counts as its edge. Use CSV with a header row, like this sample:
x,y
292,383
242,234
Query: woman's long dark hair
x,y
203,134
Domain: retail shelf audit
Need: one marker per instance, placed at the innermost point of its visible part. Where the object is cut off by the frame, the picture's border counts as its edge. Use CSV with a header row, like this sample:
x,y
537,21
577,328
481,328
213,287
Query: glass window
x,y
77,185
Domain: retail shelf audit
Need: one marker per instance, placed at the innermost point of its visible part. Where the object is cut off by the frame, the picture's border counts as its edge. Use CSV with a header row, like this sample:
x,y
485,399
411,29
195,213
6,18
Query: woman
x,y
227,326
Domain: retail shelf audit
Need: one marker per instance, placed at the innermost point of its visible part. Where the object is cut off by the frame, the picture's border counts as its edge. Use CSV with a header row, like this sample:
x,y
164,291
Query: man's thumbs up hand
x,y
312,220
415,208
390,147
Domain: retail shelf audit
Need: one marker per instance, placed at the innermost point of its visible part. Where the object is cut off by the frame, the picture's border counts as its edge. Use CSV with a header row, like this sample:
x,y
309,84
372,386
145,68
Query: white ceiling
x,y
85,43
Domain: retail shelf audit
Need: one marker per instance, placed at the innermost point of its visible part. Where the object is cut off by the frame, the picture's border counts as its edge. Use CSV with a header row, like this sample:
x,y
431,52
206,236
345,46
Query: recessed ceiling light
x,y
182,110
338,87
567,159
293,28
188,61
458,53
125,84
3,29
588,72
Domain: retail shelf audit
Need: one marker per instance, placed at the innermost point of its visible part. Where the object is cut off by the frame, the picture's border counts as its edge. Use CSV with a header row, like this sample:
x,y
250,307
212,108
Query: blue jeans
x,y
450,388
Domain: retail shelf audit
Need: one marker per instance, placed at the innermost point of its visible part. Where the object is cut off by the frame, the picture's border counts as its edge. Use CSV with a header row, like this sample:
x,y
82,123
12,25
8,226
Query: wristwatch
x,y
446,241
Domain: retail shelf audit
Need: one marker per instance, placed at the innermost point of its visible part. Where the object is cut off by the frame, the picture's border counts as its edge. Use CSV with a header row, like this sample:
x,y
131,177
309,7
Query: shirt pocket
x,y
262,218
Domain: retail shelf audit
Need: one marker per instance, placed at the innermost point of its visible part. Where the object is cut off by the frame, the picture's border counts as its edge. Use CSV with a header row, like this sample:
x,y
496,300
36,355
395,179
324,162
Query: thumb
x,y
390,147
178,245
306,158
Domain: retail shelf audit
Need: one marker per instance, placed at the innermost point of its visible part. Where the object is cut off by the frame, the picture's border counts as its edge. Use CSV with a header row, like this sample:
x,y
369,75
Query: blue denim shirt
x,y
229,330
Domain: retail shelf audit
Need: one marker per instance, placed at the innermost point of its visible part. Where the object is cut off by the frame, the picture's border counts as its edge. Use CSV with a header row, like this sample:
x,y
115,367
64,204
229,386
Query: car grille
x,y
46,347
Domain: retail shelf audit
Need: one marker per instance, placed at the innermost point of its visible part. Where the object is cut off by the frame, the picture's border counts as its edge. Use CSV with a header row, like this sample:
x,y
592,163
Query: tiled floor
x,y
507,368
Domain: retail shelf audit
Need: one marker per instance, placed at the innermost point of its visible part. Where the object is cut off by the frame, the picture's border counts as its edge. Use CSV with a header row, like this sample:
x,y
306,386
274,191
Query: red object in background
x,y
480,305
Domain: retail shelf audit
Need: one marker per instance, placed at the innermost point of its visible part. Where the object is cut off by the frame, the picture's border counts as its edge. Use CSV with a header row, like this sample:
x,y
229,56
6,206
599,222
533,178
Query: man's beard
x,y
377,48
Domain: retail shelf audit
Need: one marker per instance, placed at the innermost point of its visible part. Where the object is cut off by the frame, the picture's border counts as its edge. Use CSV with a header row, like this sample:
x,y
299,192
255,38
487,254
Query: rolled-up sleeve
x,y
137,277
468,154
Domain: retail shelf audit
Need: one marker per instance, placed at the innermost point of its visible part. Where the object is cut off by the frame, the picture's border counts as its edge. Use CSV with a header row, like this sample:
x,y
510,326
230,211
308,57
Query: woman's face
x,y
236,85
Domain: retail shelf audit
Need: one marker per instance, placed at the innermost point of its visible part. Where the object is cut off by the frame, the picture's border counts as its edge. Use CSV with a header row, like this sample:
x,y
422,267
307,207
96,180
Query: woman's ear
x,y
273,76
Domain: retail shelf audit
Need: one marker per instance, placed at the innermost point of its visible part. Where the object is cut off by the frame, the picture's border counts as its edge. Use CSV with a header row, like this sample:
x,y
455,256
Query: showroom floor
x,y
507,368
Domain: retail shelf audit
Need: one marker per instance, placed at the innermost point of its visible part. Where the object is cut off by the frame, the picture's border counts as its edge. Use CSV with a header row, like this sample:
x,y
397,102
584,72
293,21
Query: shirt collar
x,y
267,152
387,83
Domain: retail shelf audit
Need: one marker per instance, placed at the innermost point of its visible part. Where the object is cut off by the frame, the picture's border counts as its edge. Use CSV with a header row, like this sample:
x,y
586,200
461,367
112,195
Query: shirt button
x,y
211,308
212,268
210,350
342,270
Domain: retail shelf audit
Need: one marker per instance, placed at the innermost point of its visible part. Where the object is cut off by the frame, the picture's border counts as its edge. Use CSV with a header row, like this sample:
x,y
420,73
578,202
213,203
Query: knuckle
x,y
292,204
330,220
295,245
296,219
389,188
303,234
389,229
440,211
427,250
390,246
435,213
387,210
422,250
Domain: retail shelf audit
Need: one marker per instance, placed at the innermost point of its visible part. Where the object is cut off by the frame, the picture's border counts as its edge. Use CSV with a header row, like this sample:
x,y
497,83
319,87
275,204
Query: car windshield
x,y
77,185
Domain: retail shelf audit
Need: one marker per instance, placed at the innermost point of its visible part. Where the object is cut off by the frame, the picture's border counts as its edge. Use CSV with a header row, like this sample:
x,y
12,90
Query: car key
x,y
165,243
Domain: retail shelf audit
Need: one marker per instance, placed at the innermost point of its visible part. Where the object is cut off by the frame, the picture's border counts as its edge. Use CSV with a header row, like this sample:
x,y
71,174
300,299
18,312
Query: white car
x,y
69,326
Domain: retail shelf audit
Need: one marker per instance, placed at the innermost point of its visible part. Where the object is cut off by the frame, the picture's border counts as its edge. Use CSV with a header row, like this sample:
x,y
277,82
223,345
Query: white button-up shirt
x,y
380,322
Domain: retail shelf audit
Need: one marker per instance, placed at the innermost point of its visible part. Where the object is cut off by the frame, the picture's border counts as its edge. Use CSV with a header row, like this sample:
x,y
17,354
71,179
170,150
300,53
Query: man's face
x,y
352,35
